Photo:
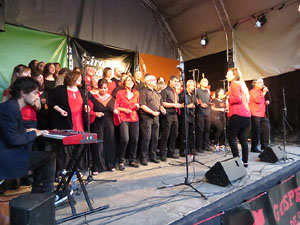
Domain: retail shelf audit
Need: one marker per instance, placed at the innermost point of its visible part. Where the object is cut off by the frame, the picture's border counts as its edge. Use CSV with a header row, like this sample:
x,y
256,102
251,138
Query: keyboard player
x,y
15,156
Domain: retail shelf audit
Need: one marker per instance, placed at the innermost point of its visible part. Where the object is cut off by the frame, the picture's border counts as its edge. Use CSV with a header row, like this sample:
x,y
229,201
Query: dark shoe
x,y
173,156
134,164
121,167
154,160
246,165
163,158
256,150
144,162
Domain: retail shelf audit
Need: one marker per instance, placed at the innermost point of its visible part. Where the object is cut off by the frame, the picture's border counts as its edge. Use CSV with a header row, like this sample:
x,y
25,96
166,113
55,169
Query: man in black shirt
x,y
139,82
169,121
203,117
151,107
191,100
117,76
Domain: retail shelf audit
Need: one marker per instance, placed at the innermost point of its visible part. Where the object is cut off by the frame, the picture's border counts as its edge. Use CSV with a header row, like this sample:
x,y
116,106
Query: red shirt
x,y
257,103
111,86
238,101
28,113
122,101
88,81
76,106
6,93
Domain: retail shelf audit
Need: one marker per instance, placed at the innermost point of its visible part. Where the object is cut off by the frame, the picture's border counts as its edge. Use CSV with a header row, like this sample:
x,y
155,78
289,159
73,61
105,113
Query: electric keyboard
x,y
70,137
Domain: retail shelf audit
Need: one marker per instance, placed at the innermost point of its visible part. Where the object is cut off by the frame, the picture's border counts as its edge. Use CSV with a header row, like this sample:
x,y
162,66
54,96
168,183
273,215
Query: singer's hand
x,y
267,102
204,105
63,113
265,89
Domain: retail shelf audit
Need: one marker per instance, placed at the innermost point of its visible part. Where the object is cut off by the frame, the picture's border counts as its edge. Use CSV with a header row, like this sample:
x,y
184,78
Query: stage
x,y
136,199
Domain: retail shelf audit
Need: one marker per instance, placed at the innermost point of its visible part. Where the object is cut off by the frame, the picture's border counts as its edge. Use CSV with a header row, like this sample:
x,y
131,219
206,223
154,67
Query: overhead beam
x,y
224,19
163,24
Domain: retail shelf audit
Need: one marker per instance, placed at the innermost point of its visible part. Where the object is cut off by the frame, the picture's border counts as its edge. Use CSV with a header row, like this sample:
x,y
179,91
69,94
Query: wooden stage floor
x,y
136,199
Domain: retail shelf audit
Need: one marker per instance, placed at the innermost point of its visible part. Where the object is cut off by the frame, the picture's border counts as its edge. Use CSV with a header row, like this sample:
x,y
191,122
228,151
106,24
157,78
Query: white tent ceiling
x,y
158,27
189,19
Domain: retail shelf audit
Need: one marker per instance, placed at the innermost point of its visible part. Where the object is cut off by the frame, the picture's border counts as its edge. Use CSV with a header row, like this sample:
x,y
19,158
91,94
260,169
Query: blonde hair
x,y
239,78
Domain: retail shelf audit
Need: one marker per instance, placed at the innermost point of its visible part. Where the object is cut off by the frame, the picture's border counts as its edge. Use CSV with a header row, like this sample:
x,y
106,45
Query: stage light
x,y
204,40
299,8
261,20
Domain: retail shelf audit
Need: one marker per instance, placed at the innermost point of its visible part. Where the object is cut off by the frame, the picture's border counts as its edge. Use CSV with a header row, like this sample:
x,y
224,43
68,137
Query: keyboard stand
x,y
73,166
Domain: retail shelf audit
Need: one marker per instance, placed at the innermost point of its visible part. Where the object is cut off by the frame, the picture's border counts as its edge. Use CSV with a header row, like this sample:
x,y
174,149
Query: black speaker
x,y
272,154
32,209
223,173
2,16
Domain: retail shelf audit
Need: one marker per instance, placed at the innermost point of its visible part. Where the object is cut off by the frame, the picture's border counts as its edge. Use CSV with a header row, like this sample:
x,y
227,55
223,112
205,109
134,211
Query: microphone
x,y
265,88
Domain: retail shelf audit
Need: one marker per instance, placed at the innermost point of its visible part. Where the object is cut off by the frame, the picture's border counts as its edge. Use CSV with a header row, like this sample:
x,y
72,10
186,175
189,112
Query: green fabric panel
x,y
20,45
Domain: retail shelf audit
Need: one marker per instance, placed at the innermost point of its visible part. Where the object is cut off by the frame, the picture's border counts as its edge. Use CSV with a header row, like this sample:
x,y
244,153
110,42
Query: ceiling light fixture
x,y
261,20
204,40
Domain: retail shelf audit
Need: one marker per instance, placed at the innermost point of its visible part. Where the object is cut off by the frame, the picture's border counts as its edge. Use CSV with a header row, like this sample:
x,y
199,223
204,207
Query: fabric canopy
x,y
272,49
149,26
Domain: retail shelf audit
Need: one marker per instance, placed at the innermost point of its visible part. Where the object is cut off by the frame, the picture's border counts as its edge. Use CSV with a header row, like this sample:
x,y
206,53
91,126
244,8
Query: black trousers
x,y
237,128
259,132
181,136
149,130
42,163
104,154
169,131
219,124
202,131
129,136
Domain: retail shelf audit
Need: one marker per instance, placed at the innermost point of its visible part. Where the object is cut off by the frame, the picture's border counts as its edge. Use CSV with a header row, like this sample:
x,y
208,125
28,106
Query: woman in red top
x,y
126,106
68,103
107,73
102,123
239,113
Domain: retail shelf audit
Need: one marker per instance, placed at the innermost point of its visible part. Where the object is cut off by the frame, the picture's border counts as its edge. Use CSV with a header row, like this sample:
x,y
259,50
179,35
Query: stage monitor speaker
x,y
272,155
223,173
2,23
32,209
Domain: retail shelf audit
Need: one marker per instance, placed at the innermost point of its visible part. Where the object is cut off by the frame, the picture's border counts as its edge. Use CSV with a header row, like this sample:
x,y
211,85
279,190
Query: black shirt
x,y
168,95
217,104
139,85
151,99
204,96
190,111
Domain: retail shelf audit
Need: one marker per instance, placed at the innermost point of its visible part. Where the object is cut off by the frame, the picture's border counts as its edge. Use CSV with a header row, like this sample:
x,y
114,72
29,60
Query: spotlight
x,y
204,40
299,8
261,20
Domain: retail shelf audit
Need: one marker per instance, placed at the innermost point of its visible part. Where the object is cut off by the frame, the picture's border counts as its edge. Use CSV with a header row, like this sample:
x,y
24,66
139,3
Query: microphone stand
x,y
90,178
284,120
194,114
186,179
224,117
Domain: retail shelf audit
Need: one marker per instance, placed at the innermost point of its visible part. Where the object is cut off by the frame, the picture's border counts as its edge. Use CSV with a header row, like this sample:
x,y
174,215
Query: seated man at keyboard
x,y
16,157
